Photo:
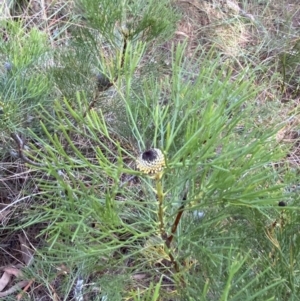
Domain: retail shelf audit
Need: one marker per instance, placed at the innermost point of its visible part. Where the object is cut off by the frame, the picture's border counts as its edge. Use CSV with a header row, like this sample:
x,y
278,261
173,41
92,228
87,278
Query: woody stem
x,y
160,198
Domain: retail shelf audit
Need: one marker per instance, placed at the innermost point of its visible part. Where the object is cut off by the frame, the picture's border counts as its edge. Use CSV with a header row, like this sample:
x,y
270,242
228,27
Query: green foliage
x,y
134,18
152,293
23,85
111,224
289,62
94,218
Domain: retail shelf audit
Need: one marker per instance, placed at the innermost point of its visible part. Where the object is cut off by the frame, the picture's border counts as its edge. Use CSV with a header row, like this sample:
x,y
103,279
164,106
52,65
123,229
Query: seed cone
x,y
151,161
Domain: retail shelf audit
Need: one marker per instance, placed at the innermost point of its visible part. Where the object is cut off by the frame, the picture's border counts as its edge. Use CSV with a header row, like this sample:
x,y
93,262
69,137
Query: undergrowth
x,y
145,157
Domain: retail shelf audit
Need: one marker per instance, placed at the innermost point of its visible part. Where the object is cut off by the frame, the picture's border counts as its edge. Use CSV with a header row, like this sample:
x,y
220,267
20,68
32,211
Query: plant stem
x,y
175,225
160,198
20,143
164,236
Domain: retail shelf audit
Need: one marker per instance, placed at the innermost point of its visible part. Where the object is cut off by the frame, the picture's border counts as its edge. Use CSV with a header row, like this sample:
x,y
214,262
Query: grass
x,y
87,91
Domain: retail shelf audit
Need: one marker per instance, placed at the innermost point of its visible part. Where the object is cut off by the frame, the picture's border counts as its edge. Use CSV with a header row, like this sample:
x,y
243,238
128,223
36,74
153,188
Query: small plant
x,y
104,217
289,62
140,168
152,162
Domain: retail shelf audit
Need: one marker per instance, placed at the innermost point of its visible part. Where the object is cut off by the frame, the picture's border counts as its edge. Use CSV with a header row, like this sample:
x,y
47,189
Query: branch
x,y
174,226
20,143
103,82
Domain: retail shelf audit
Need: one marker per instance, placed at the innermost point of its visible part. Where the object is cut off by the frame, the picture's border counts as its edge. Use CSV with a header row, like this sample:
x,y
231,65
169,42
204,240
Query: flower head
x,y
151,161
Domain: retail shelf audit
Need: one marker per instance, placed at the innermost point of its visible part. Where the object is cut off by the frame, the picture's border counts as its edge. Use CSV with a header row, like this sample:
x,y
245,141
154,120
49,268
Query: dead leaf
x,y
4,280
13,271
233,5
26,253
14,288
139,276
6,277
